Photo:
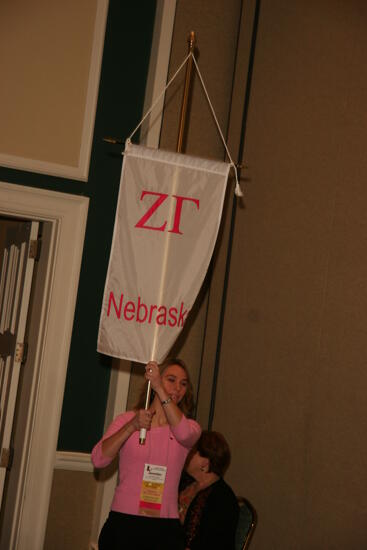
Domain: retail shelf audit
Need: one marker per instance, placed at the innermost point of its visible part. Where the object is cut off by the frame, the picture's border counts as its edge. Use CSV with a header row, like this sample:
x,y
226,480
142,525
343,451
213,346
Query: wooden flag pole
x,y
181,133
186,93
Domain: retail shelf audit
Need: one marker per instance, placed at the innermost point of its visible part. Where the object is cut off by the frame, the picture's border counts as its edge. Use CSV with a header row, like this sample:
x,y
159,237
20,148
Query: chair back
x,y
247,521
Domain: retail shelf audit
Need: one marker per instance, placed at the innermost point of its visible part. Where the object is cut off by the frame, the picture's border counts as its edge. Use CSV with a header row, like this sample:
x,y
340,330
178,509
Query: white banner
x,y
167,221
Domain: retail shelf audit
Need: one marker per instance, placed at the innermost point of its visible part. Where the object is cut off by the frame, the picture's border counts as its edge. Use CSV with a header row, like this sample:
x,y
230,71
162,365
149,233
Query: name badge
x,y
151,492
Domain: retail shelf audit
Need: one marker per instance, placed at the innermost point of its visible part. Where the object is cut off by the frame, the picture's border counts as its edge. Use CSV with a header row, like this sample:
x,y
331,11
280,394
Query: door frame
x,y
24,525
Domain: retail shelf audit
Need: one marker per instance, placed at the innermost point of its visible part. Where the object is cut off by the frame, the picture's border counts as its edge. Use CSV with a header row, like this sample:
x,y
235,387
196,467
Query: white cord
x,y
159,97
237,190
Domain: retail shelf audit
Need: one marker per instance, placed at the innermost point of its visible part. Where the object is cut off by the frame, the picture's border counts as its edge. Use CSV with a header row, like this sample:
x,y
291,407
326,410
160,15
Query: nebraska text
x,y
142,313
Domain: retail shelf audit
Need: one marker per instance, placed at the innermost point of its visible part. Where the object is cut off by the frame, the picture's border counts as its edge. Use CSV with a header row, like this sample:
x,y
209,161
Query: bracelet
x,y
166,401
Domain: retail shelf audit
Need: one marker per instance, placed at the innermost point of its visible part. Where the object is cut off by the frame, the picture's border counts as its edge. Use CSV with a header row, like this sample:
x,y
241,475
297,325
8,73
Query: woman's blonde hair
x,y
187,402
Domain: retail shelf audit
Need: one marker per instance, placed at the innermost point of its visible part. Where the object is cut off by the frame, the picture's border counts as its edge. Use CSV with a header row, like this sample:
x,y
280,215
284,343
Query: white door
x,y
17,262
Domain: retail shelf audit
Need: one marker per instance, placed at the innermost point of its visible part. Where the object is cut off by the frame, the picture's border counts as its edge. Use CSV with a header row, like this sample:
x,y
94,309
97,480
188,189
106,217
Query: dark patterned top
x,y
211,518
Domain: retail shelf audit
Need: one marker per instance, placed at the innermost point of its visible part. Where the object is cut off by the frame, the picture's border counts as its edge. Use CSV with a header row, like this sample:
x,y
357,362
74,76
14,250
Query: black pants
x,y
127,532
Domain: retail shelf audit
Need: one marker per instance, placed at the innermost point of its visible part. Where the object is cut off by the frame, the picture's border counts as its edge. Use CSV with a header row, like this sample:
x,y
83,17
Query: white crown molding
x,y
76,462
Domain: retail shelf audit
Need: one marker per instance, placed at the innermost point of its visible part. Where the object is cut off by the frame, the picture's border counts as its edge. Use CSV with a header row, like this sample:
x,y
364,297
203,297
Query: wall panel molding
x,y
49,95
76,462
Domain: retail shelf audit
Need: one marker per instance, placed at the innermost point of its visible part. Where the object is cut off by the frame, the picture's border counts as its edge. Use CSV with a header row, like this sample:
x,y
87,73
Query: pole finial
x,y
191,40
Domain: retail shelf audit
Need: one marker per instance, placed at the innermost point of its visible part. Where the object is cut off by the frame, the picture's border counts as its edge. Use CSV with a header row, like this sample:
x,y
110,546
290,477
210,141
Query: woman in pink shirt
x,y
144,513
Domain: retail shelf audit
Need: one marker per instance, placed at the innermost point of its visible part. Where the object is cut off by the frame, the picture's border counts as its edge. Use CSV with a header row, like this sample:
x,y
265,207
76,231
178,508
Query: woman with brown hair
x,y
144,513
208,507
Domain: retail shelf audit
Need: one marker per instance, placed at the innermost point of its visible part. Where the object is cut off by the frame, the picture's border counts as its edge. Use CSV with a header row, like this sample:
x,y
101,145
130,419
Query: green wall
x,y
120,102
